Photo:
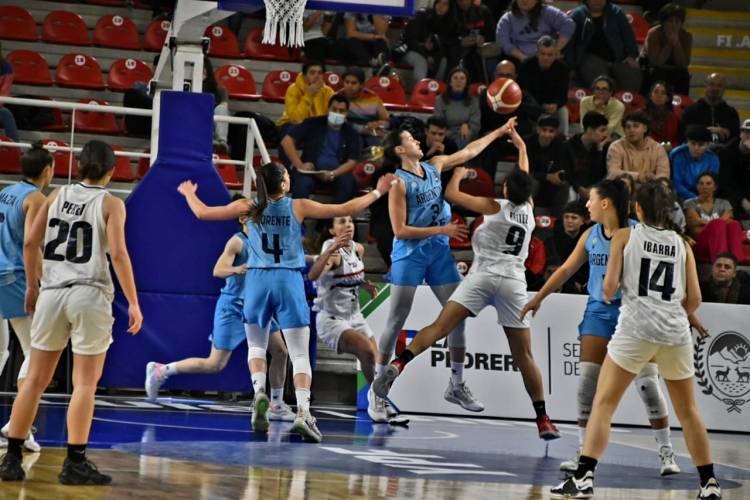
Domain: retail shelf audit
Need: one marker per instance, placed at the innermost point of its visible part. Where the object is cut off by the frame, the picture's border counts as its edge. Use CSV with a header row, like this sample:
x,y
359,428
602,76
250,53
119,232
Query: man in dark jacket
x,y
726,284
713,112
562,243
589,150
550,161
734,174
330,150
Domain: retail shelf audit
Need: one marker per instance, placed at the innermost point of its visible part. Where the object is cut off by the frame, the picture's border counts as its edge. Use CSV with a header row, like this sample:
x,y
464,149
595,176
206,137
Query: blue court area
x,y
473,450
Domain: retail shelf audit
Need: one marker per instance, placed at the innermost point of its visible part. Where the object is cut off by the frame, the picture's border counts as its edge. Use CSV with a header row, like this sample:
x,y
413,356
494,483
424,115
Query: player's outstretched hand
x,y
531,306
135,318
454,230
385,183
461,173
187,187
516,138
508,126
29,303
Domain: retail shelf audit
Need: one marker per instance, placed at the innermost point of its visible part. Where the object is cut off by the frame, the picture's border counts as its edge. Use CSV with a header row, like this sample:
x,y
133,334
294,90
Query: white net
x,y
284,18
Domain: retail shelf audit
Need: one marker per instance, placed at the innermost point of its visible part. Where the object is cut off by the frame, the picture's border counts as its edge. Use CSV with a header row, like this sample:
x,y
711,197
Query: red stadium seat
x,y
16,23
29,68
96,122
459,243
256,49
276,83
258,161
633,101
476,88
116,32
640,26
61,26
223,42
333,80
681,101
545,221
62,159
59,124
424,94
363,172
228,173
238,81
156,32
80,71
123,171
10,158
479,183
124,73
389,90
575,95
143,165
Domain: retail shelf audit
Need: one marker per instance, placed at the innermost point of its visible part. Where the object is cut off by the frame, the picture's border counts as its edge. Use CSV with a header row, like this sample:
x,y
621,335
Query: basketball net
x,y
284,17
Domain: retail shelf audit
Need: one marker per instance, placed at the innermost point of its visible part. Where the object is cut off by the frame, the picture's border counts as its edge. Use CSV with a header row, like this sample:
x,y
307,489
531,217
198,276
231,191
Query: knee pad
x,y
649,389
257,342
298,345
587,388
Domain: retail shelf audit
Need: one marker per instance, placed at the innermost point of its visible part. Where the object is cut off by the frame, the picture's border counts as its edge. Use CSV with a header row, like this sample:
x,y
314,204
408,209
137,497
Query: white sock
x,y
259,382
378,369
457,372
662,437
581,434
303,399
277,396
170,369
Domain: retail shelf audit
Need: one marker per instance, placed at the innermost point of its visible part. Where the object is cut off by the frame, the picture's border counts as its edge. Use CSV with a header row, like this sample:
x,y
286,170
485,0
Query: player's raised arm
x,y
304,208
225,212
327,259
614,265
479,204
473,149
523,158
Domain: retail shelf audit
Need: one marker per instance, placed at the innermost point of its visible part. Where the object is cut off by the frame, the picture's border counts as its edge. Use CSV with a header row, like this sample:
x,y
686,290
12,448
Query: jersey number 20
x,y
661,280
79,232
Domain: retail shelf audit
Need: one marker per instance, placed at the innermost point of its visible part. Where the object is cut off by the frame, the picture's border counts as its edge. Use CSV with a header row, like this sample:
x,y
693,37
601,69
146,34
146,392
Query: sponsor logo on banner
x,y
487,361
722,369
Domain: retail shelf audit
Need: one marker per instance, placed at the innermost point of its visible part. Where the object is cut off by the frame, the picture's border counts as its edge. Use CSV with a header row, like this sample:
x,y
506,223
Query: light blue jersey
x,y
597,246
276,243
424,208
234,285
12,220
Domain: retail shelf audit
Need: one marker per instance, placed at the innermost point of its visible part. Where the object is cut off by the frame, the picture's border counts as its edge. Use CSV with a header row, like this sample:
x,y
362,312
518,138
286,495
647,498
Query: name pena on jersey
x,y
428,196
73,208
520,218
659,249
7,199
276,220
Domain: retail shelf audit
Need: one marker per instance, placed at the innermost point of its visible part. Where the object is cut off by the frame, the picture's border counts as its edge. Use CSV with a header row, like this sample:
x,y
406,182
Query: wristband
x,y
377,193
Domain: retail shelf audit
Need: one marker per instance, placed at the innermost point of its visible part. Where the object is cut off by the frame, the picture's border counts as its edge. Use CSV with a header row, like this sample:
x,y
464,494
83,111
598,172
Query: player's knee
x,y
456,338
650,392
255,352
278,349
213,365
366,354
587,388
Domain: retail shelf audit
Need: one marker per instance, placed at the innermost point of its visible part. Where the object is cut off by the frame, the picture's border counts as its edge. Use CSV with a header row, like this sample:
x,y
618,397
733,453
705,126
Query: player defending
x,y
496,278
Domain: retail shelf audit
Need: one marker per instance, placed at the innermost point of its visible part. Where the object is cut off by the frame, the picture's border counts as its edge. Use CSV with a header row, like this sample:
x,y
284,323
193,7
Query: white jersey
x,y
75,242
653,287
501,242
338,289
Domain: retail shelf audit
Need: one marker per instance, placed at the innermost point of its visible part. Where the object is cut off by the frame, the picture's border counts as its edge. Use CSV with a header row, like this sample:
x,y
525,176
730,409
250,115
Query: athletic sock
x,y
581,435
170,369
303,400
706,472
457,373
540,408
77,453
259,382
585,464
15,447
662,437
403,359
277,396
378,369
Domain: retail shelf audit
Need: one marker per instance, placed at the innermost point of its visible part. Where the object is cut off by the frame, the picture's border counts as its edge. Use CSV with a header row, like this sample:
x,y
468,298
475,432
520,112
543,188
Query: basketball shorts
x,y
507,295
432,263
229,330
631,354
330,327
79,313
12,295
276,294
599,319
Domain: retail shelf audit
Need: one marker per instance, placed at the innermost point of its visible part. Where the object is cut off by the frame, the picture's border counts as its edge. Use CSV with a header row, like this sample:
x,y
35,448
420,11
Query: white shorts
x,y
508,295
330,327
631,354
80,313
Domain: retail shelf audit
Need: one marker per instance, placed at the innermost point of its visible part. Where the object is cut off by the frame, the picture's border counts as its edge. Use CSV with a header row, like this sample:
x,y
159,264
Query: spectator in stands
x,y
475,27
712,111
665,120
735,171
550,160
7,120
459,108
526,22
604,43
603,102
307,97
666,51
437,141
367,112
546,79
691,160
330,147
710,221
317,26
589,150
726,285
221,105
564,239
421,41
635,153
366,40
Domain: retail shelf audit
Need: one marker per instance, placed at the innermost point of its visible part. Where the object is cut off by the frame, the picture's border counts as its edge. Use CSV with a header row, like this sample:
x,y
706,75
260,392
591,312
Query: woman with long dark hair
x,y
664,119
459,108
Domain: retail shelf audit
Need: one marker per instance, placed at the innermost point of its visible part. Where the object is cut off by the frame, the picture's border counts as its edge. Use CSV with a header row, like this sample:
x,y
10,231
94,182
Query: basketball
x,y
504,96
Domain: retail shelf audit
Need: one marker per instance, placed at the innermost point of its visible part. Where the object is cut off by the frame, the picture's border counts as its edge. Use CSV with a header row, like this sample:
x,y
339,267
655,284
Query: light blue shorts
x,y
600,319
276,294
12,295
432,263
229,330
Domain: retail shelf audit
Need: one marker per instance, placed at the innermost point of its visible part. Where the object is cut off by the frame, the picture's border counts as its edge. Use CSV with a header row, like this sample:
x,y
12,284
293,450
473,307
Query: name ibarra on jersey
x,y
276,220
659,248
73,208
428,196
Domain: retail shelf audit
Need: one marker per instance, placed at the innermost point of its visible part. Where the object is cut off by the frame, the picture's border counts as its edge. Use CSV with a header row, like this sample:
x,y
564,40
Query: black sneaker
x,y
82,473
11,468
575,488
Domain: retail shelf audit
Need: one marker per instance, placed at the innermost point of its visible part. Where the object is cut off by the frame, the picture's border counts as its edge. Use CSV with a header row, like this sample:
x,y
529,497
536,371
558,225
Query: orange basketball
x,y
504,96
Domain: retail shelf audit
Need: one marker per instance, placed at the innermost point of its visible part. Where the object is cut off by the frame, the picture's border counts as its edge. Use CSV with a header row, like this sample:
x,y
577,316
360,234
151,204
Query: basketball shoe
x,y
155,378
668,465
460,394
11,468
711,490
376,408
547,429
82,473
575,488
305,426
571,465
260,412
281,413
29,443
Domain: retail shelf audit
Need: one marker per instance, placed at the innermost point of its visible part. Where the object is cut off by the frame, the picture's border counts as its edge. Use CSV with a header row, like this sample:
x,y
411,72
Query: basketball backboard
x,y
387,7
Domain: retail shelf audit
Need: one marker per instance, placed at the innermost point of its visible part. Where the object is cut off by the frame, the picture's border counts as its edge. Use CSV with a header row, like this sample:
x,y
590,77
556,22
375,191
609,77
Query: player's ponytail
x,y
618,193
97,160
392,140
268,183
657,202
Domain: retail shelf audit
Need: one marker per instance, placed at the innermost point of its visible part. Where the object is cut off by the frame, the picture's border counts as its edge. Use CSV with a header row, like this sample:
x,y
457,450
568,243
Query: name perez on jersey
x,y
659,249
520,218
70,208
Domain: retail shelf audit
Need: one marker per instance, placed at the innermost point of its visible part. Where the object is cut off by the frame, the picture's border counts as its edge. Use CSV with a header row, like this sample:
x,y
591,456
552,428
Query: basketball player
x,y
608,205
77,224
422,227
228,333
273,268
339,272
497,278
19,204
656,269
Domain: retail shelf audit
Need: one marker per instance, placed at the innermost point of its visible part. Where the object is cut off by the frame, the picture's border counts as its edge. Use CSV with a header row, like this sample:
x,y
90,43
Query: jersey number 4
x,y
275,250
79,237
661,280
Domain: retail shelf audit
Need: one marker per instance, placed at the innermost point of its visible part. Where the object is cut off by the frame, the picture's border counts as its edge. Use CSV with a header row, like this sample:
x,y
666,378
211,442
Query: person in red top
x,y
665,119
7,120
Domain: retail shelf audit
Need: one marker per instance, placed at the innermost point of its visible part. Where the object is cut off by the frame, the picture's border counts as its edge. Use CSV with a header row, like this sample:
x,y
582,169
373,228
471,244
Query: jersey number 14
x,y
660,280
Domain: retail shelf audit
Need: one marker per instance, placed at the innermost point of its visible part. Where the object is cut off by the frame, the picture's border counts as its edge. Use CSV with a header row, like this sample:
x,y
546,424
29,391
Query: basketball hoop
x,y
284,17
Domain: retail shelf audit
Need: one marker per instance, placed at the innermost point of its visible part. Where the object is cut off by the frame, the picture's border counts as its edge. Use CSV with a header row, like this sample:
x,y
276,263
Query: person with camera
x,y
550,160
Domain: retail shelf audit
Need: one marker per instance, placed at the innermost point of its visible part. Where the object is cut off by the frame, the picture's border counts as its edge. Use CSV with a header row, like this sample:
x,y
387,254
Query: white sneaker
x,y
390,410
461,395
571,465
711,491
376,408
668,465
155,378
30,443
260,412
305,426
575,488
281,413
